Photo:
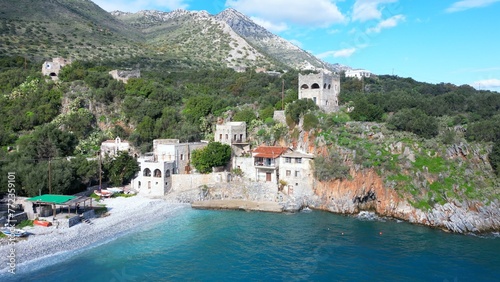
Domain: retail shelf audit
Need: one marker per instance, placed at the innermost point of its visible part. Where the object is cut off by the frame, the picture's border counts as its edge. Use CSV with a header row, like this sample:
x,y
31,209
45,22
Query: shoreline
x,y
125,215
246,205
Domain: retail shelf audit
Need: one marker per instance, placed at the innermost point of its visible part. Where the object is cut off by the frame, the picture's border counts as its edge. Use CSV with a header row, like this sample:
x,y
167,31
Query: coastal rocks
x,y
367,192
471,217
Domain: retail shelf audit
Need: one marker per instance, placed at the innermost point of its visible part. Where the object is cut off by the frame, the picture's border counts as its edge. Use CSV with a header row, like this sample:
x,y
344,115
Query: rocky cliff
x,y
451,187
367,192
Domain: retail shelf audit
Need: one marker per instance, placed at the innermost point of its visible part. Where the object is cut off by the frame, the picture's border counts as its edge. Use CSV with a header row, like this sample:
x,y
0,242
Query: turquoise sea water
x,y
199,245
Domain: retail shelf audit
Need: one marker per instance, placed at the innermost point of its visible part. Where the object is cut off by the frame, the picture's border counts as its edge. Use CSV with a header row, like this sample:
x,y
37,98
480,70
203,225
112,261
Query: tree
x,y
246,115
416,121
46,142
300,107
494,157
121,170
213,155
364,111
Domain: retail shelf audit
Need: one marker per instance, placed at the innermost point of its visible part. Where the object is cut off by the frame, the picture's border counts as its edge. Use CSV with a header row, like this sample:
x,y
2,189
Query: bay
x,y
201,245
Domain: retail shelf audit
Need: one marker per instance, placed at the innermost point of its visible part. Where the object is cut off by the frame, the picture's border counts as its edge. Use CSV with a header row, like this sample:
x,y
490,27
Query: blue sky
x,y
454,41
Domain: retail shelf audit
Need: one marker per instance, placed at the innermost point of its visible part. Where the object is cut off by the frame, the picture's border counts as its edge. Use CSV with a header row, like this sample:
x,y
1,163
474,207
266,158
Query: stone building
x,y
233,134
124,76
52,68
266,162
156,168
295,171
111,148
322,88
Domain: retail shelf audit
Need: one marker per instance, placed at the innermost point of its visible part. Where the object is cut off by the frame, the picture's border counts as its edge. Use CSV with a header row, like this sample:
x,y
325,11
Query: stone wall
x,y
246,166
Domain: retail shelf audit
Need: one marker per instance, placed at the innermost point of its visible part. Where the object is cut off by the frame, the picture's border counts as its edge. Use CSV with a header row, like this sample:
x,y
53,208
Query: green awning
x,y
52,199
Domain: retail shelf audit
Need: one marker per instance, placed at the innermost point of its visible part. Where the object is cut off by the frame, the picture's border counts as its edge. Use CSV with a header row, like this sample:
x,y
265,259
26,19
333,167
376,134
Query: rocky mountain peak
x,y
242,24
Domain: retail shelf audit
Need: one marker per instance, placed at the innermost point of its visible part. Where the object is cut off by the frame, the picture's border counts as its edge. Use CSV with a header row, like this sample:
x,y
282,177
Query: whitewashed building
x,y
111,148
266,162
156,168
358,73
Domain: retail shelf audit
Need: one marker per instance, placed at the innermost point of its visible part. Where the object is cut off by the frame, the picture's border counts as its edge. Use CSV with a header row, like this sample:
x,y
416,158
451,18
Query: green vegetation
x,y
213,155
494,157
121,169
25,223
330,167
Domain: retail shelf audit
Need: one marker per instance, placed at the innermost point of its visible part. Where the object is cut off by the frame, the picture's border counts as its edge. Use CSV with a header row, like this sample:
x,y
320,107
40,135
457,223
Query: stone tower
x,y
322,88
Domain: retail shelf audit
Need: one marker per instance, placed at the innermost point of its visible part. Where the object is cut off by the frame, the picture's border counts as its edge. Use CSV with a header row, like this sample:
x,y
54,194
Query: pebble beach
x,y
124,215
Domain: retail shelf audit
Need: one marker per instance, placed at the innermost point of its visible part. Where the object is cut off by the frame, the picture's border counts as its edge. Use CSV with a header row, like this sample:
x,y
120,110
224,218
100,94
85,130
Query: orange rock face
x,y
365,191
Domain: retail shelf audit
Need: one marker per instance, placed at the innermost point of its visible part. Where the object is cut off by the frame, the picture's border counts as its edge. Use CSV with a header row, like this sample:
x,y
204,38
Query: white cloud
x,y
343,53
273,27
137,5
469,4
486,83
312,13
364,10
333,31
388,23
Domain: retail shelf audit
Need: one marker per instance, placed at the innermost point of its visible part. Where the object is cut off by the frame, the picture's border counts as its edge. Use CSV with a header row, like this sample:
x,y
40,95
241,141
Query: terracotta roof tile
x,y
272,152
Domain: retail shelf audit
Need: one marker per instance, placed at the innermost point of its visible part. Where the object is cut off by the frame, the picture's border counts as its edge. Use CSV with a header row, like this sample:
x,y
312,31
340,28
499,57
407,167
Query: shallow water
x,y
200,245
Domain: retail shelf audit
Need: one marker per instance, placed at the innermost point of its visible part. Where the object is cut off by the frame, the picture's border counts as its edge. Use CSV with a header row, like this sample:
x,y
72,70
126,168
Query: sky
x,y
450,41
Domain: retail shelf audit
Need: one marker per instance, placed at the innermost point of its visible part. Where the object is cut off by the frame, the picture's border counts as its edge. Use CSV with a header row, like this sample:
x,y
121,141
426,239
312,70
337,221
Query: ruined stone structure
x,y
124,76
52,68
322,88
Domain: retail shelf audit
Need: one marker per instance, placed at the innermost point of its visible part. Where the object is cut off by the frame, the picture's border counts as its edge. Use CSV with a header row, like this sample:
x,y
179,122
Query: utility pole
x,y
283,94
50,180
100,177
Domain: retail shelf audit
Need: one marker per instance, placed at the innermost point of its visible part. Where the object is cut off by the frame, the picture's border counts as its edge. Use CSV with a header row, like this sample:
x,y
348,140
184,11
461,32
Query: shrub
x,y
330,167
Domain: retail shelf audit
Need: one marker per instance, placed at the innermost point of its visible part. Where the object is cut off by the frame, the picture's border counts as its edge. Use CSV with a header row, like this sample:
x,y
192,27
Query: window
x,y
288,173
288,160
314,99
227,136
220,136
182,157
157,173
234,137
298,160
146,172
297,173
167,173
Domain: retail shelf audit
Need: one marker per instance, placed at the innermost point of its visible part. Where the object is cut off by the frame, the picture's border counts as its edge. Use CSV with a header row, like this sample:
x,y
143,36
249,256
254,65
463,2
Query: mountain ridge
x,y
81,30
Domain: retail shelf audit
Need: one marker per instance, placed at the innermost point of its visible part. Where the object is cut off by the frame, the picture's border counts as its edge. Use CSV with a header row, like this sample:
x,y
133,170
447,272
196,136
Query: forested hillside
x,y
44,120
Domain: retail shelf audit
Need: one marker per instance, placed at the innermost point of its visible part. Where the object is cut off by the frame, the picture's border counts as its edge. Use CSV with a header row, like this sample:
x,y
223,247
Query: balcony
x,y
265,163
